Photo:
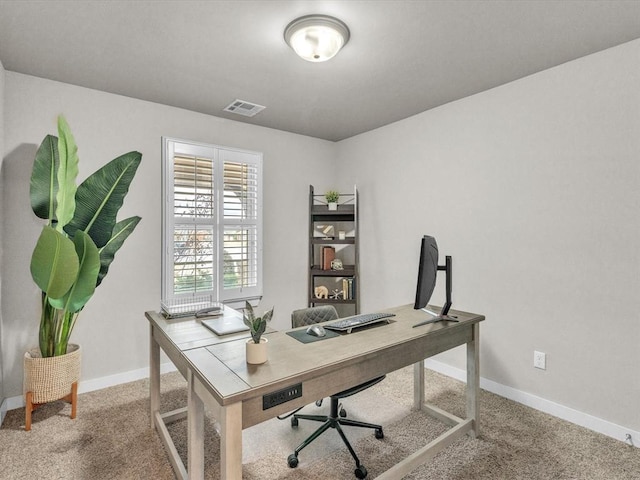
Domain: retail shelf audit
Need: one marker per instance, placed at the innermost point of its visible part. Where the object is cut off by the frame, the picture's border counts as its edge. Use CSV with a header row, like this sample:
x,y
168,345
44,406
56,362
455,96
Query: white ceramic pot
x,y
257,352
333,205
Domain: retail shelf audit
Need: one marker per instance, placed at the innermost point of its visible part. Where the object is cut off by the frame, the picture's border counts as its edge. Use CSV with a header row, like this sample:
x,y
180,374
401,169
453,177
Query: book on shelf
x,y
348,292
328,254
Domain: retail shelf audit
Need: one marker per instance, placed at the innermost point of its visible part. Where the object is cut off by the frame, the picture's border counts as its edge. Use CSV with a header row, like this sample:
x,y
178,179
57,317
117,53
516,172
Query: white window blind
x,y
211,222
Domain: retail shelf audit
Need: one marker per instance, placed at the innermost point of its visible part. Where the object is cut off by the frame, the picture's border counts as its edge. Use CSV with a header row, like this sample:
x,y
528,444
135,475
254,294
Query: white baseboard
x,y
626,435
596,424
98,383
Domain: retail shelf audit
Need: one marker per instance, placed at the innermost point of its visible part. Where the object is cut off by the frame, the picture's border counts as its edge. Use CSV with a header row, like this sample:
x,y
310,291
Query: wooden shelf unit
x,y
344,218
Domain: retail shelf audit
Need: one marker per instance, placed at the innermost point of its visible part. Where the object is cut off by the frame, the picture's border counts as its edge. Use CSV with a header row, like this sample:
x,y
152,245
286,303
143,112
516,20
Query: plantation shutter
x,y
194,217
241,221
212,222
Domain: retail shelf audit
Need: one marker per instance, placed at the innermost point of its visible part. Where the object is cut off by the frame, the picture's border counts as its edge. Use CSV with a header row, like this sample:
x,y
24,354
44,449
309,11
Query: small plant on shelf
x,y
332,199
257,325
332,196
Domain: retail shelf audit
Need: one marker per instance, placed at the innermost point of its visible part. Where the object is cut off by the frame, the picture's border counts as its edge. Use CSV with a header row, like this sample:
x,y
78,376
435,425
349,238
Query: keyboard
x,y
362,320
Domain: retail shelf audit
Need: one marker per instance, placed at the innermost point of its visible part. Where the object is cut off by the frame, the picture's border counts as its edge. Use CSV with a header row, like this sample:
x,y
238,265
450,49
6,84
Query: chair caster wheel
x,y
379,434
360,472
293,461
343,412
294,422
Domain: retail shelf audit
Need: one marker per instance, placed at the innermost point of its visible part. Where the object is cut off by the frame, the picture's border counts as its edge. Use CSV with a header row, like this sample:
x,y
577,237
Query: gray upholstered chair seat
x,y
310,316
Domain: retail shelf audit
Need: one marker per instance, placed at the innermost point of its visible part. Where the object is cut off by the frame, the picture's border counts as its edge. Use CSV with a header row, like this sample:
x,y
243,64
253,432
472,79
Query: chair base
x,y
333,421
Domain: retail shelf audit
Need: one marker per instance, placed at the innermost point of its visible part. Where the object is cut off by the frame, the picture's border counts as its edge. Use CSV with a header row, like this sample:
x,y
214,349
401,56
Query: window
x,y
212,222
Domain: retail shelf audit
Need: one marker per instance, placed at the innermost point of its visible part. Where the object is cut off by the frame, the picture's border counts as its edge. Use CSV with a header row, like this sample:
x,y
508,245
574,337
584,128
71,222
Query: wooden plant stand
x,y
72,398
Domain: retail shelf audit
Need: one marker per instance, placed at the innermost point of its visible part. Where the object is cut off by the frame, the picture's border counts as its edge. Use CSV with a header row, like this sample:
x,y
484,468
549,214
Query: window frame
x,y
218,155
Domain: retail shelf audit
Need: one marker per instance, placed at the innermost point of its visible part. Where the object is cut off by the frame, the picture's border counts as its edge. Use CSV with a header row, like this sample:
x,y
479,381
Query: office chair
x,y
336,417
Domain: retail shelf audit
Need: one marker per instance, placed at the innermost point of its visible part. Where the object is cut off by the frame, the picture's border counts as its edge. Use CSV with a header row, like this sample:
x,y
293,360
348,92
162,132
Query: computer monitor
x,y
427,274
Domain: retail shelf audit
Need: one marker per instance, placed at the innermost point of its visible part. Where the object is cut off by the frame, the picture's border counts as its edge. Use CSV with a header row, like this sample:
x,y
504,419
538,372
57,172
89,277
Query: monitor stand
x,y
441,317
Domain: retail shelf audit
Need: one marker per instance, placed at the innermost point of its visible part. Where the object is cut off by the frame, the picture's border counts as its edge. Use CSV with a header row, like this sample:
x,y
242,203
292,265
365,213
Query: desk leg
x,y
231,442
195,432
473,380
418,385
154,376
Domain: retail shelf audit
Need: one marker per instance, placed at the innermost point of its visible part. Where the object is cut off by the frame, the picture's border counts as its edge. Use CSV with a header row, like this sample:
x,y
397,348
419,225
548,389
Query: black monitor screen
x,y
427,271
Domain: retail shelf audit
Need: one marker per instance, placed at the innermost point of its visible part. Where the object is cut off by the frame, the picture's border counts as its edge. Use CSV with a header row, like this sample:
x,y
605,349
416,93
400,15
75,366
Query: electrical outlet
x,y
281,396
540,360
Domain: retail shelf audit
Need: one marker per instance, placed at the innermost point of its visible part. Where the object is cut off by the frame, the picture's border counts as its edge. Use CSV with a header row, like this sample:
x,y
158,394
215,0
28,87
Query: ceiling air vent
x,y
246,109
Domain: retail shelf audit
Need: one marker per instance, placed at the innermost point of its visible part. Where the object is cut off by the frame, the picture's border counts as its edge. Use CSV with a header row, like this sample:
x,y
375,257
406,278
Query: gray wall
x,y
532,187
2,228
112,329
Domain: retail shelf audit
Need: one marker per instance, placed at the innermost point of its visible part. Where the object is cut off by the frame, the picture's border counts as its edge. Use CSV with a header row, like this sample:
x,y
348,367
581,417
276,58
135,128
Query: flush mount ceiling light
x,y
316,38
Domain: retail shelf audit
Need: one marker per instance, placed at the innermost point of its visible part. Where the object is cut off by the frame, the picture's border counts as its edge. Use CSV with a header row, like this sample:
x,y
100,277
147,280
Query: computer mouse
x,y
316,331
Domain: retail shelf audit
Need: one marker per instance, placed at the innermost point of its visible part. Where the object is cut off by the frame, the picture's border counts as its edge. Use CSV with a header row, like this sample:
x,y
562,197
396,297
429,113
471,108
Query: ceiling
x,y
404,56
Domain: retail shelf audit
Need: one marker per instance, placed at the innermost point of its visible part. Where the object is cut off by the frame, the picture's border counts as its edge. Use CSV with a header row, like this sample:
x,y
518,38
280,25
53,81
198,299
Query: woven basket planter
x,y
51,378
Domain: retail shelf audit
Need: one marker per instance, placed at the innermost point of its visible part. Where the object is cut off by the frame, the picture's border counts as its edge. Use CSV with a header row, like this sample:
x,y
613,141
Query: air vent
x,y
246,109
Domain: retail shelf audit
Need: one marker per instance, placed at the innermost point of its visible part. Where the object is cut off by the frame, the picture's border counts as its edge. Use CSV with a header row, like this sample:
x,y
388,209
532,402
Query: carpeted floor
x,y
111,439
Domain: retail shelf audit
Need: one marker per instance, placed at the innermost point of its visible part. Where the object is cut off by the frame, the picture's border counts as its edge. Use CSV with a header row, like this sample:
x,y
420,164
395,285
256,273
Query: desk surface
x,y
219,377
186,333
219,362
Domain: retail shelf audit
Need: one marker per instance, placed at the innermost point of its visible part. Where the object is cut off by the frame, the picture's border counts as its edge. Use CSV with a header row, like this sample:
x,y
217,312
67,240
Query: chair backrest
x,y
311,315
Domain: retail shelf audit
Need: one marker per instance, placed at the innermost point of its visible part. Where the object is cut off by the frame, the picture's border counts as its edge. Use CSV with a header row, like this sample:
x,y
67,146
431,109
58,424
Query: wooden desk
x,y
232,390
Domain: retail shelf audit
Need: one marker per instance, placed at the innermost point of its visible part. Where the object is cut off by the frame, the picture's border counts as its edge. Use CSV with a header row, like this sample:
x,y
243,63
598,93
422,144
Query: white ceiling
x,y
404,56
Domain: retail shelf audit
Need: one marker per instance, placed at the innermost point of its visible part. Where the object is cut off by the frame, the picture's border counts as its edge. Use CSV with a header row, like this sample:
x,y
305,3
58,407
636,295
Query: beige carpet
x,y
111,439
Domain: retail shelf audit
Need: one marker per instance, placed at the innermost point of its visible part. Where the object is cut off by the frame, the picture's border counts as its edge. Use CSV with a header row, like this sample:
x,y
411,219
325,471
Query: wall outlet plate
x,y
540,360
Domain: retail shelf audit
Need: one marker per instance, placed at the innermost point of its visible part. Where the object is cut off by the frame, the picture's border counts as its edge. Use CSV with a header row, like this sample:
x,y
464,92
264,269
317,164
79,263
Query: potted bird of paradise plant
x,y
72,255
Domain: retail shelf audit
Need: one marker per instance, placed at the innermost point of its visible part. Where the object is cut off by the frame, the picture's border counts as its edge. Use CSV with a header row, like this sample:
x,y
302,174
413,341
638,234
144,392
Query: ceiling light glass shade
x,y
316,38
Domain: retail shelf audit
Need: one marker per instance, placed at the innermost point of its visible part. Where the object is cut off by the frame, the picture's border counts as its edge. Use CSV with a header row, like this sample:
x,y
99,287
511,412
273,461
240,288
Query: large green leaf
x,y
44,181
54,263
67,173
100,196
85,283
120,233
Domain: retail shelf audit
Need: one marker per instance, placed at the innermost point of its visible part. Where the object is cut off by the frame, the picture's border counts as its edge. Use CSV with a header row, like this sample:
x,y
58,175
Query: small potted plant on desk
x,y
256,351
332,199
